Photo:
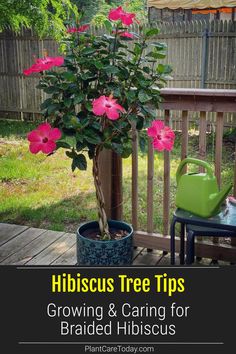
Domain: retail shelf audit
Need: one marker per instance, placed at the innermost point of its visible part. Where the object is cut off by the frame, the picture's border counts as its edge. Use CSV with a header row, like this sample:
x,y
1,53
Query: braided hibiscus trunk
x,y
102,217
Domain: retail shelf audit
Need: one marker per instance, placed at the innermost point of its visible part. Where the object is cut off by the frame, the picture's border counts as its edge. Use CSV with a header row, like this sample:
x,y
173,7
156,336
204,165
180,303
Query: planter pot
x,y
104,253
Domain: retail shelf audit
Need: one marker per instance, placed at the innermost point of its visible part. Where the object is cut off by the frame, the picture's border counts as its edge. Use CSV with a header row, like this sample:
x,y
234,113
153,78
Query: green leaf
x,y
143,96
92,137
51,74
83,122
67,119
140,123
119,125
67,102
156,55
46,103
63,144
64,86
131,95
164,69
41,85
89,106
155,92
79,137
96,125
124,74
87,51
70,154
79,161
118,148
107,145
159,55
111,69
127,151
166,78
116,91
80,146
137,49
108,25
91,154
107,132
144,83
159,45
98,65
51,89
132,117
151,32
148,111
53,108
146,69
69,76
78,98
86,76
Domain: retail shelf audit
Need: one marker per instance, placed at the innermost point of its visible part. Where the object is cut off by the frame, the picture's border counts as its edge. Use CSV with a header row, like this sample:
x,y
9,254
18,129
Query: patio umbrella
x,y
186,4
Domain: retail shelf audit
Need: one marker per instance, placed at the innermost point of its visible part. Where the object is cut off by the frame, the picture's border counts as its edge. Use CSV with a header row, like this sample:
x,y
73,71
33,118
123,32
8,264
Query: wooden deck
x,y
23,245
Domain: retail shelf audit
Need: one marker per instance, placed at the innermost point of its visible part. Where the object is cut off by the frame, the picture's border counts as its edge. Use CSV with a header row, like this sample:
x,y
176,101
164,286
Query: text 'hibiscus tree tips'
x,y
105,88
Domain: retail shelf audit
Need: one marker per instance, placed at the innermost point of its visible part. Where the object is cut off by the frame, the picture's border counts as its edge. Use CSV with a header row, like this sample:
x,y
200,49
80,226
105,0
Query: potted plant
x,y
106,86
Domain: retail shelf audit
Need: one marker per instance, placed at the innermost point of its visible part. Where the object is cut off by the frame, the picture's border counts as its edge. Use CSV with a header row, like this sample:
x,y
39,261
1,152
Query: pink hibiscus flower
x,y
124,34
42,64
127,18
107,105
43,139
82,28
115,14
127,35
163,136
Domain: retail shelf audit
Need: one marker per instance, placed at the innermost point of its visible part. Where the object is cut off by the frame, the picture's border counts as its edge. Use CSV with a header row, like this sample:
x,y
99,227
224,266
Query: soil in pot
x,y
93,234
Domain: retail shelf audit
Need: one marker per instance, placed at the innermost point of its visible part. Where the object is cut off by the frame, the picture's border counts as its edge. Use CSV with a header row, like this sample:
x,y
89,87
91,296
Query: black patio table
x,y
225,220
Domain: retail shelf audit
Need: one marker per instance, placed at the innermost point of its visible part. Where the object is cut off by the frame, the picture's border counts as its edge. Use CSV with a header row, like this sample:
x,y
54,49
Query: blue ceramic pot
x,y
104,253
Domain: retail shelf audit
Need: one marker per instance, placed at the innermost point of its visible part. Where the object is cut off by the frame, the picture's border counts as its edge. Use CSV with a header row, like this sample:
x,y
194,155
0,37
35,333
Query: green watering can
x,y
199,192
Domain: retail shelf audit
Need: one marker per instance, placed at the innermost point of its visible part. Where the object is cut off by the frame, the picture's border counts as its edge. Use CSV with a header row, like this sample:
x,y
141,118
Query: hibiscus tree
x,y
106,86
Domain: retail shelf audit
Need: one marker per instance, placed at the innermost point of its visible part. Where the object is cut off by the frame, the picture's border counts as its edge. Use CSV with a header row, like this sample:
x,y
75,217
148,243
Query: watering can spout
x,y
217,199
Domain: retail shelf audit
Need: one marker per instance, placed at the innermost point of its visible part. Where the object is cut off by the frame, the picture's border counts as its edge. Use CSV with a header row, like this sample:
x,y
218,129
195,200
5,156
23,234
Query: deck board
x,y
16,243
147,258
8,231
67,258
53,251
21,245
33,248
164,261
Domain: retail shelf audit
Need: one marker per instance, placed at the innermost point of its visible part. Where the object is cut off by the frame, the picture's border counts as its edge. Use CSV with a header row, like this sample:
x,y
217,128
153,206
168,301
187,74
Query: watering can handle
x,y
195,162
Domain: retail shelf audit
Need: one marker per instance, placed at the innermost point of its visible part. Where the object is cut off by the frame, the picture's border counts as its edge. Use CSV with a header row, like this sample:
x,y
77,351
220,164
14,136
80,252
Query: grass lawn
x,y
42,191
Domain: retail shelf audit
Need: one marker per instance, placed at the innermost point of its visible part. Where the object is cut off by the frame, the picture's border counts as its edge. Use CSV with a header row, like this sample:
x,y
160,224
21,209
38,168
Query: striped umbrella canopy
x,y
186,4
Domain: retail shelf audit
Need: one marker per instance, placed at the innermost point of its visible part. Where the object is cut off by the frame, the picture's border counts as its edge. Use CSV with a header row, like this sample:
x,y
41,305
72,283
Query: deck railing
x,y
185,100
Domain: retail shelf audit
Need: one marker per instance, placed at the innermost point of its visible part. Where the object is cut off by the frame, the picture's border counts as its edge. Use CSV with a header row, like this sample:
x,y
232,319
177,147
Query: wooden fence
x,y
198,100
202,54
